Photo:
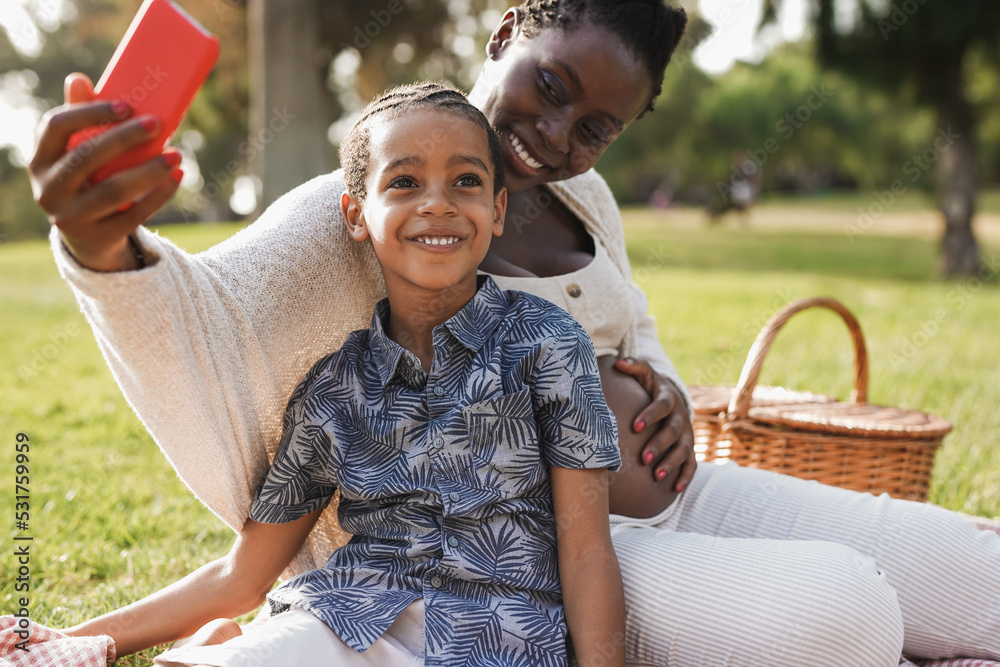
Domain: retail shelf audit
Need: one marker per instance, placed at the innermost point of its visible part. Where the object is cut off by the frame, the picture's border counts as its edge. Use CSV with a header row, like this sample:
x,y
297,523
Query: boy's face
x,y
430,211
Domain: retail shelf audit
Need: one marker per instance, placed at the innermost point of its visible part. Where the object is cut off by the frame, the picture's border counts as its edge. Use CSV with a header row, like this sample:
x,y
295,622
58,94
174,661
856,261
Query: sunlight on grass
x,y
111,522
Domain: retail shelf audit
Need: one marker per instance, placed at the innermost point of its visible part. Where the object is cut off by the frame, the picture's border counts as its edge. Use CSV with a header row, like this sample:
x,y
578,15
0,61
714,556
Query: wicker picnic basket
x,y
854,445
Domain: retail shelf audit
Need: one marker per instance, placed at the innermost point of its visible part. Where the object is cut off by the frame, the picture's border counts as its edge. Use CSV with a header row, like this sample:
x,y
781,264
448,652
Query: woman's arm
x,y
588,568
225,588
222,337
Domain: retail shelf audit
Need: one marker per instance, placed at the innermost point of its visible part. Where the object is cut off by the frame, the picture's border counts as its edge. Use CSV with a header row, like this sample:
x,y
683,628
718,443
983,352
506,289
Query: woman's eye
x,y
594,135
402,182
469,181
548,86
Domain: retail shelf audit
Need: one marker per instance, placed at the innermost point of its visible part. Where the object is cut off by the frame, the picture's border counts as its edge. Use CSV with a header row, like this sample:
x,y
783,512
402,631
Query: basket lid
x,y
855,419
713,399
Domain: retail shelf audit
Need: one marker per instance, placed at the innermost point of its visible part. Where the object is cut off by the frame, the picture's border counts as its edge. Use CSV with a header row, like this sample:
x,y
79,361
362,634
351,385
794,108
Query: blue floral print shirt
x,y
443,478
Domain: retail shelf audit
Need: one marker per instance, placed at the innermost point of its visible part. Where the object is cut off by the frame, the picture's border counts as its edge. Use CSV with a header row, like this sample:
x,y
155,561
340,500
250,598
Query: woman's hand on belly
x,y
657,457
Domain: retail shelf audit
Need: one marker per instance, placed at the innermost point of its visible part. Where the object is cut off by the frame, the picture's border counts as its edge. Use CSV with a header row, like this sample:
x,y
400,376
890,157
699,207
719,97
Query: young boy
x,y
465,429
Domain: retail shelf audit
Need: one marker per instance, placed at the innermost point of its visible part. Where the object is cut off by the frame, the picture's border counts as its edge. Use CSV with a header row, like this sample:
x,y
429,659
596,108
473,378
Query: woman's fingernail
x,y
639,425
176,175
647,457
661,473
680,488
149,125
172,159
119,108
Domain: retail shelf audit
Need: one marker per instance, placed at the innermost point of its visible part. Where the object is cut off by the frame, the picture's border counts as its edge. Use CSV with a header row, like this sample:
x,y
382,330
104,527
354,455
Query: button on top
x,y
438,443
439,391
574,290
455,497
436,582
453,541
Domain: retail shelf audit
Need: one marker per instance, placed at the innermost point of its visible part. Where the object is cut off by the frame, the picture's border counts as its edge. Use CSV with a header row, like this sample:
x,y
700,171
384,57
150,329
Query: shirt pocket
x,y
505,447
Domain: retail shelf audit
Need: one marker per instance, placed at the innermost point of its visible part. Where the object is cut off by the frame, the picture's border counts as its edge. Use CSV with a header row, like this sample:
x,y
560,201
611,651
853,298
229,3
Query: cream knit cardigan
x,y
208,348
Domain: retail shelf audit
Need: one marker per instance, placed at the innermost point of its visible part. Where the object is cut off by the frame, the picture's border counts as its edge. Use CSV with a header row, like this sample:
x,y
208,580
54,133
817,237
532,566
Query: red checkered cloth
x,y
50,648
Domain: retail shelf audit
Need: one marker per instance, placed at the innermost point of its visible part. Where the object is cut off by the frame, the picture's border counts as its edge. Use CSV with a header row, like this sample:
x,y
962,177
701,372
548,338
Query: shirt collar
x,y
471,326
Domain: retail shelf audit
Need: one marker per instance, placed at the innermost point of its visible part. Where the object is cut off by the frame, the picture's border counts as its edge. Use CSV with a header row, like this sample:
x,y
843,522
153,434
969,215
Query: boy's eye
x,y
402,182
469,181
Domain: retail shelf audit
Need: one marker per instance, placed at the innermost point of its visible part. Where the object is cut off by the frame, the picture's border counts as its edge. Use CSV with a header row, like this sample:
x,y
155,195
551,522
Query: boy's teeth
x,y
437,240
523,154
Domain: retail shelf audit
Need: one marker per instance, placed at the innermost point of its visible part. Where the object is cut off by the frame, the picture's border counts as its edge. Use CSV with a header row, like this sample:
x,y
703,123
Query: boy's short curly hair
x,y
354,149
650,29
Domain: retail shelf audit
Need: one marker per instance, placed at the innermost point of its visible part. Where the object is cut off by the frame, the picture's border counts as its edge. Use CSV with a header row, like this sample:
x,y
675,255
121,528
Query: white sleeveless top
x,y
597,296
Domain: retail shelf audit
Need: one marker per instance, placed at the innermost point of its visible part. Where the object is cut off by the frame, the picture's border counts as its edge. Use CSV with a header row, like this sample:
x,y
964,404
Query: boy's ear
x,y
499,211
504,34
354,218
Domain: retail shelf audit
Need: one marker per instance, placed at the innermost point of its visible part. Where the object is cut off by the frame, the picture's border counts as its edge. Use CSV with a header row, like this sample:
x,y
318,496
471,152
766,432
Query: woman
x,y
744,567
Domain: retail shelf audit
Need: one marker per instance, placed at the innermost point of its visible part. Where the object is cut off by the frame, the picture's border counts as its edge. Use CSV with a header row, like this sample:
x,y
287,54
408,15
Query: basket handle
x,y
739,405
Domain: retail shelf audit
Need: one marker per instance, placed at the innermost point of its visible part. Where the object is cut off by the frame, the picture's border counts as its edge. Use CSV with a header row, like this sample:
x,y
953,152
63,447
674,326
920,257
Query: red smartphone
x,y
162,61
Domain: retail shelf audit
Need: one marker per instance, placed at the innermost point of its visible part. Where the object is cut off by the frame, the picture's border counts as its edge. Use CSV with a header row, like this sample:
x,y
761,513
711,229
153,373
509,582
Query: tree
x,y
921,50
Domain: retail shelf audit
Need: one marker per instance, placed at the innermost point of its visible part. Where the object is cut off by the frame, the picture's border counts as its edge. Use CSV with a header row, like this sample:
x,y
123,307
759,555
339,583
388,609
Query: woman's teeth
x,y
436,240
523,154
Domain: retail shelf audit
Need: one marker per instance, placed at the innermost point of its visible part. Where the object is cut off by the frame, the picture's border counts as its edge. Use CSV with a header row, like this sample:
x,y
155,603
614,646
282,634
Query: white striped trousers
x,y
749,567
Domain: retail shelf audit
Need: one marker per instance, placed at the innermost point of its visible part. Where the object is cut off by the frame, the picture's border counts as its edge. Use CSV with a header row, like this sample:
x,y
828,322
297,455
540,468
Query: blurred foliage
x,y
803,128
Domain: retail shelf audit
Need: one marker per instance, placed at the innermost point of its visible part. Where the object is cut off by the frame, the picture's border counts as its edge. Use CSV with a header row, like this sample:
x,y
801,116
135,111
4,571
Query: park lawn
x,y
111,522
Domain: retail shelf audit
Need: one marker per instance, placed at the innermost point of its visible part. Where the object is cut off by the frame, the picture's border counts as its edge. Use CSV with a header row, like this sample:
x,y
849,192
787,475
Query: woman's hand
x,y
673,445
93,219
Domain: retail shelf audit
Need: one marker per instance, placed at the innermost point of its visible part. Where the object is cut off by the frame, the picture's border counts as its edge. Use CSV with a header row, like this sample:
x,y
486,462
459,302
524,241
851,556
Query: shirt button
x,y
455,497
453,541
438,443
574,290
439,391
436,582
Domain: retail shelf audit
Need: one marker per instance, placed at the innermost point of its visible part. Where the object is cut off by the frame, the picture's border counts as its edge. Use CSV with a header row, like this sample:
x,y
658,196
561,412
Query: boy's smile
x,y
429,210
430,213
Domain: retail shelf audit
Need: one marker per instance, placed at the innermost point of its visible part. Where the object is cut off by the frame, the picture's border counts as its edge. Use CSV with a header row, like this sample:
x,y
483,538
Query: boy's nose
x,y
438,202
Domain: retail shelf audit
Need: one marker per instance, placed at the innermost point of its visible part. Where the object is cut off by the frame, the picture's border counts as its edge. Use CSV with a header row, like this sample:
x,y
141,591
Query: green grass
x,y
111,522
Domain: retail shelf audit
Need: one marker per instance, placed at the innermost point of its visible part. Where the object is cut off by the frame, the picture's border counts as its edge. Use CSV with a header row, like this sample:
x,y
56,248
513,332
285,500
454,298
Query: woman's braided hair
x,y
355,150
650,29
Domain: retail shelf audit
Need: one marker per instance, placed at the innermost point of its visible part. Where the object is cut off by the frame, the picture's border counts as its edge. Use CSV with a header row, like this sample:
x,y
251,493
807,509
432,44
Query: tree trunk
x,y
291,107
955,146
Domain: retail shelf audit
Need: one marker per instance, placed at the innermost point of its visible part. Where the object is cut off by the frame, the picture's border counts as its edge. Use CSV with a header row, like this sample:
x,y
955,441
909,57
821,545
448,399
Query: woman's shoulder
x,y
589,198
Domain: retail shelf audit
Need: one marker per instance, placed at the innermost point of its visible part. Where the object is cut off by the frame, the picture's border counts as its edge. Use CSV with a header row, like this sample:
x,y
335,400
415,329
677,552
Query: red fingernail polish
x,y
639,425
176,175
149,125
648,457
119,108
172,159
660,474
680,489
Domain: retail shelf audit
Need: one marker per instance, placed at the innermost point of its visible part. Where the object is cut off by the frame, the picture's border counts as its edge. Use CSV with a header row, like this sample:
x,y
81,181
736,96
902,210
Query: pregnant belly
x,y
634,491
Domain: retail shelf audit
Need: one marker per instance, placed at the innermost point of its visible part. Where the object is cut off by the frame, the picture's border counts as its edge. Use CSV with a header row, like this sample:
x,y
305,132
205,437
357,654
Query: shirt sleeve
x,y
576,427
301,478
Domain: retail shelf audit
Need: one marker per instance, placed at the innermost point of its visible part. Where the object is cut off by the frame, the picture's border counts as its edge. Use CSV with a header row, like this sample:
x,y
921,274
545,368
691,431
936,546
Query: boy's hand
x,y
673,445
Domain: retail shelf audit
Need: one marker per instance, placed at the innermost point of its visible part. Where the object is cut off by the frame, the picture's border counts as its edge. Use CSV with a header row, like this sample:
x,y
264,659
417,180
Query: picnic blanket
x,y
24,643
